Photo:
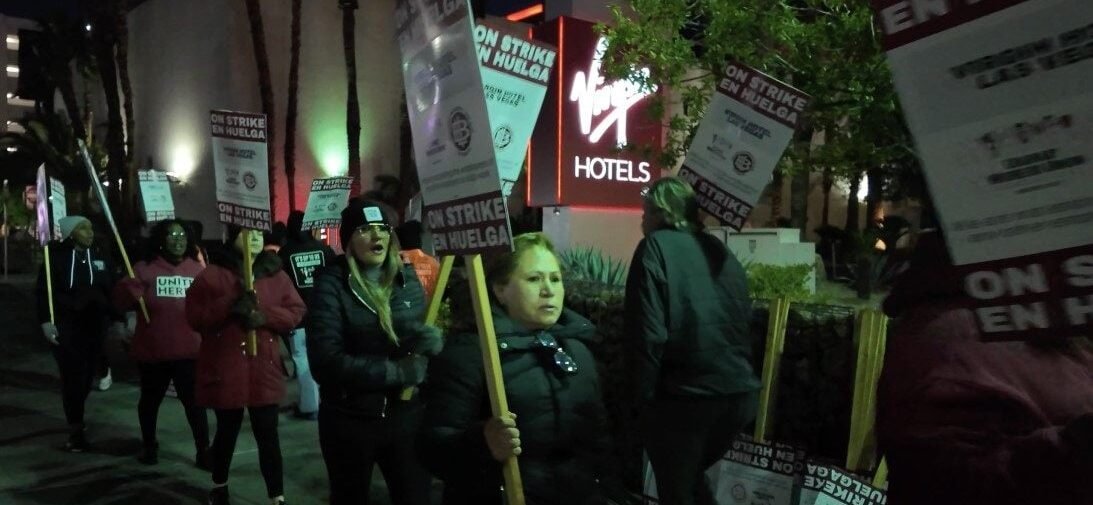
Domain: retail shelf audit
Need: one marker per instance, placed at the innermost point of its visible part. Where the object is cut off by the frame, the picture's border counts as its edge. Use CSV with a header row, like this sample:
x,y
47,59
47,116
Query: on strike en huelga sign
x,y
749,123
464,206
325,202
750,472
997,96
829,485
58,204
155,193
242,170
515,75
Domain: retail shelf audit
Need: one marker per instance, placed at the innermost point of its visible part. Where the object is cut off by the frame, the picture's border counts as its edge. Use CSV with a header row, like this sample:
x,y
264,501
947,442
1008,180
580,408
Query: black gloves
x,y
408,371
429,340
246,309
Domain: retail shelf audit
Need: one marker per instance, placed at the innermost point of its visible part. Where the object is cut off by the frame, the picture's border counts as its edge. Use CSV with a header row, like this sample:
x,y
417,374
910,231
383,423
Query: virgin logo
x,y
607,102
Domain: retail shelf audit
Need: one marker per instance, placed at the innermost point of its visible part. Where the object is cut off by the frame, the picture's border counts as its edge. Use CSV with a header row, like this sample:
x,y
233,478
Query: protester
x,y
962,421
82,280
229,380
165,347
688,311
303,256
366,343
427,267
557,424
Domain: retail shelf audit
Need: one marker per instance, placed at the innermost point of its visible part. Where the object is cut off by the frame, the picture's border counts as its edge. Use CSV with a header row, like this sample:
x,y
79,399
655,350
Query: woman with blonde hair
x,y
366,343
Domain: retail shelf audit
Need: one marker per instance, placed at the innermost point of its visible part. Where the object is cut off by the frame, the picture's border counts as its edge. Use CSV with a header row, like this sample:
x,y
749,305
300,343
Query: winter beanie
x,y
362,212
69,223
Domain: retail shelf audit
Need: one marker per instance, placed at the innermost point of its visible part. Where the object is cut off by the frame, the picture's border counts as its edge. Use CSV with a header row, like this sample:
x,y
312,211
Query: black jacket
x,y
561,417
82,285
688,310
302,258
351,357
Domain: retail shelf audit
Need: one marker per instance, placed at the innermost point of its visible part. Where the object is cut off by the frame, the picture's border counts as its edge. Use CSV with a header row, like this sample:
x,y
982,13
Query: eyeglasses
x,y
381,228
177,234
545,341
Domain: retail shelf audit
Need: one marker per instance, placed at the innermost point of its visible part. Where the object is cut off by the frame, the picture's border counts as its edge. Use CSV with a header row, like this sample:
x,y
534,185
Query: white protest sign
x,y
155,193
749,123
325,202
242,169
997,97
58,205
749,472
515,75
453,145
828,485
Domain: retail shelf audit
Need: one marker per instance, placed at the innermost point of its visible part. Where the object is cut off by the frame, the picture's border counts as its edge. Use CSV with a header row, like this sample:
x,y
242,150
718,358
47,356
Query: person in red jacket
x,y
228,380
165,347
962,421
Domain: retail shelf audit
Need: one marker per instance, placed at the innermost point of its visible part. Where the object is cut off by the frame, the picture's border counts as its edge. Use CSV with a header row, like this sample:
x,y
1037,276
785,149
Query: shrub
x,y
772,281
592,265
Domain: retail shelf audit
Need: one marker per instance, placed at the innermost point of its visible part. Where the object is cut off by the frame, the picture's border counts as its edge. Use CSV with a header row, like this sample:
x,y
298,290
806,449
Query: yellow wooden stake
x,y
435,303
871,333
772,361
495,381
880,479
49,287
248,284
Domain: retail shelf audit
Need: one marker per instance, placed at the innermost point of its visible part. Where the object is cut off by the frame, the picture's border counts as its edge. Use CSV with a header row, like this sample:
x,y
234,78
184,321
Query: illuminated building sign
x,y
575,157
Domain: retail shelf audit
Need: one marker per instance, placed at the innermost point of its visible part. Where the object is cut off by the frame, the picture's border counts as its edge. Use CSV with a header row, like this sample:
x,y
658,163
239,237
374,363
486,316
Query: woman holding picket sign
x,y
165,347
557,424
366,342
231,378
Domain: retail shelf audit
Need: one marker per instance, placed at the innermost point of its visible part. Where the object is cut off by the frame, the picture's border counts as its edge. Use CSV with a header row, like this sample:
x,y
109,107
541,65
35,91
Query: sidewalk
x,y
35,471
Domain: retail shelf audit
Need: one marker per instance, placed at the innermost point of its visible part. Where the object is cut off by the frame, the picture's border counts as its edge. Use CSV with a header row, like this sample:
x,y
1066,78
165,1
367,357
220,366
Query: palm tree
x,y
265,87
352,105
290,114
61,42
103,38
122,30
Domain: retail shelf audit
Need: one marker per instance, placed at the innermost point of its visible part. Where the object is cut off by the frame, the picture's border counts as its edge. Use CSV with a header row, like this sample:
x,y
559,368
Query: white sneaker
x,y
106,382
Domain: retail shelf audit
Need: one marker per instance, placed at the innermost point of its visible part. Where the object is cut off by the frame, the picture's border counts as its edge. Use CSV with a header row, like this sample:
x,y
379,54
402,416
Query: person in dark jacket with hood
x,y
82,281
557,424
968,422
366,342
228,379
303,256
688,311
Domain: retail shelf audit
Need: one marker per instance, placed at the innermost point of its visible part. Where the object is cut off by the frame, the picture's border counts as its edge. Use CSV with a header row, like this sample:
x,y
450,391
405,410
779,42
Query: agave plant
x,y
591,264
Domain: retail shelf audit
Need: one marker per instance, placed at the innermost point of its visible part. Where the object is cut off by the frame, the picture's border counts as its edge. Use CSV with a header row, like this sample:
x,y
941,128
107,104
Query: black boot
x,y
219,496
150,454
203,458
77,440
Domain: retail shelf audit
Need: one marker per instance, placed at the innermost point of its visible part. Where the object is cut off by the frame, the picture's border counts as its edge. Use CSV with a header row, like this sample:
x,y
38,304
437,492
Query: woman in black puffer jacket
x,y
557,426
366,343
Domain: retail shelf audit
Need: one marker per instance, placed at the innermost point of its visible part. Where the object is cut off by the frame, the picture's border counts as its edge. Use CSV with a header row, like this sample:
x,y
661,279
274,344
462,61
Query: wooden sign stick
x,y
435,303
248,284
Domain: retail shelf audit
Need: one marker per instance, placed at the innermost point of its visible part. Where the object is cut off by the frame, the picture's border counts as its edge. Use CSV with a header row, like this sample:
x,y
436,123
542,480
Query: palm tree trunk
x,y
873,199
798,200
826,184
130,193
852,205
776,198
265,87
352,105
103,40
290,113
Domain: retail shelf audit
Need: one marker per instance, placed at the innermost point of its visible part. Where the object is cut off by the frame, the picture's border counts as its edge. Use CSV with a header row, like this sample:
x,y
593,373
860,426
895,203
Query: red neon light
x,y
607,208
561,91
527,193
523,14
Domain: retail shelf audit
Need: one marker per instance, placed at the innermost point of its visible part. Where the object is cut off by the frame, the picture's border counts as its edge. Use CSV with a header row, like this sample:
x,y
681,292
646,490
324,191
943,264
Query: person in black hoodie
x,y
366,343
82,281
688,312
303,256
557,424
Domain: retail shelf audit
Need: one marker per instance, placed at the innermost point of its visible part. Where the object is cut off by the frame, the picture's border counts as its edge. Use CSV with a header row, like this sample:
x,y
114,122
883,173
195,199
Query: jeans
x,y
309,390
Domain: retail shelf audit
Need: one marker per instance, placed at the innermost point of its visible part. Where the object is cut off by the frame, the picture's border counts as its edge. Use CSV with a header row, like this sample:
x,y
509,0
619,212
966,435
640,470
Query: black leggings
x,y
353,446
263,422
77,367
154,380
